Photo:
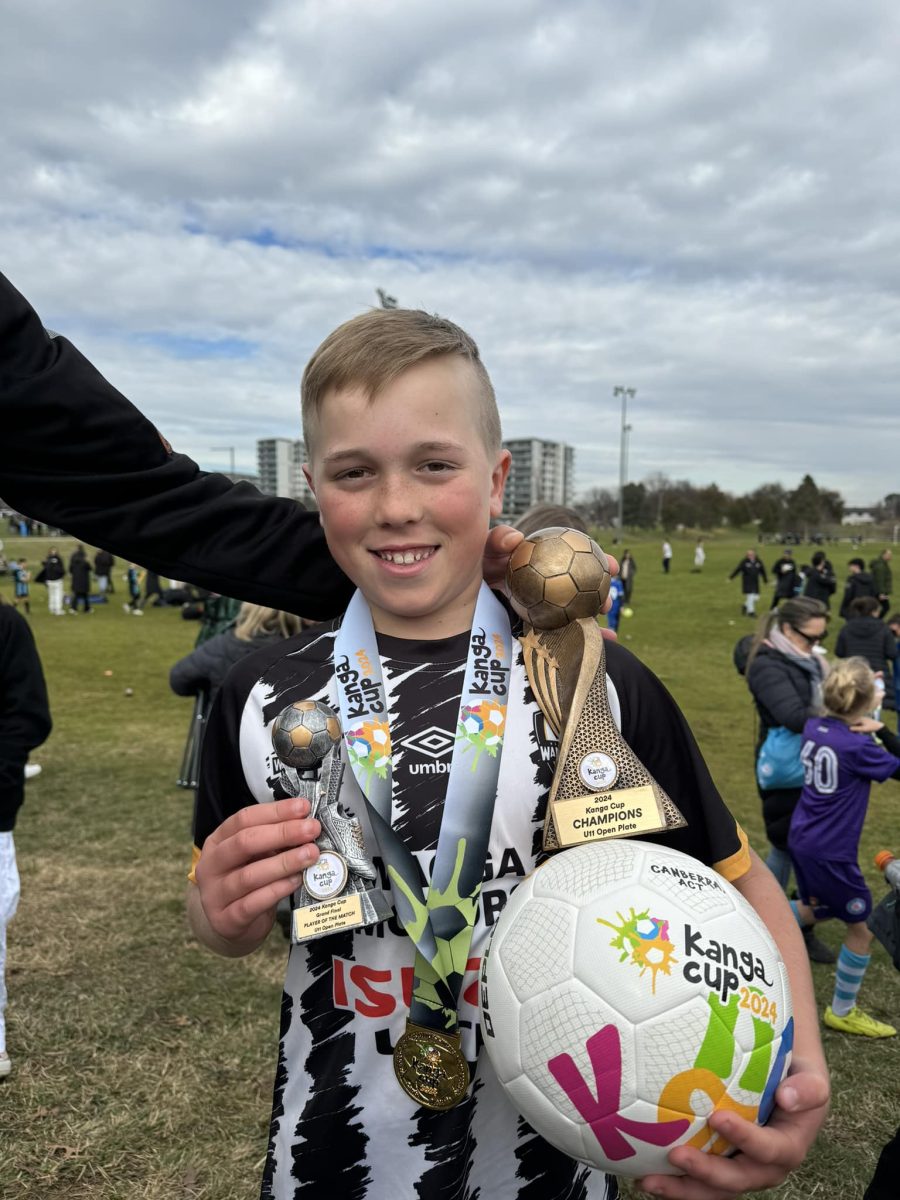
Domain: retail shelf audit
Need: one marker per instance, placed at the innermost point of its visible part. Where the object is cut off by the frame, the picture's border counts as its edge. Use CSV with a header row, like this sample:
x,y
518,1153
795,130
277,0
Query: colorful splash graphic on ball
x,y
644,941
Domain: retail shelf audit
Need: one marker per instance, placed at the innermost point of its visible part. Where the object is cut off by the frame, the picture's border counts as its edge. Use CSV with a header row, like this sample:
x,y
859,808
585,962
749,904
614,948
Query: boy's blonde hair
x,y
373,349
253,620
849,688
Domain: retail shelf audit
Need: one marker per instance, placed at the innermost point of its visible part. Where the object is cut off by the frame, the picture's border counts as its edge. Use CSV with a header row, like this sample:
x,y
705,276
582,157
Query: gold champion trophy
x,y
338,890
558,580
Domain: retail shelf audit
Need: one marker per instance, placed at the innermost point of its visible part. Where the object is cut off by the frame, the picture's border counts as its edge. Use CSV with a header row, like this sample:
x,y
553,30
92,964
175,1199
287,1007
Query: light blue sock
x,y
851,969
795,909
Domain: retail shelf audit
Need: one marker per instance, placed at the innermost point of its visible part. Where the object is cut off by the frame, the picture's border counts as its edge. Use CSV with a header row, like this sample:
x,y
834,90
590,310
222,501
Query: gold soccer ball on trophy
x,y
556,576
304,732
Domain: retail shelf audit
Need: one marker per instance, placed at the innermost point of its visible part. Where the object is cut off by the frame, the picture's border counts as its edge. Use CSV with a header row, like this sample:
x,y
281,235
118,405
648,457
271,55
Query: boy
x,y
22,577
405,460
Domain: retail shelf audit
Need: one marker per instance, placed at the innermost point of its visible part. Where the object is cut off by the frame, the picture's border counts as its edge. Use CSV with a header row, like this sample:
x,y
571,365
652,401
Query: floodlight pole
x,y
224,449
626,393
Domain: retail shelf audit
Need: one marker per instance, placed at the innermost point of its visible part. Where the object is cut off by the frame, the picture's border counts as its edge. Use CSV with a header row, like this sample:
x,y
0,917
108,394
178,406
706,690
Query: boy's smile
x,y
406,488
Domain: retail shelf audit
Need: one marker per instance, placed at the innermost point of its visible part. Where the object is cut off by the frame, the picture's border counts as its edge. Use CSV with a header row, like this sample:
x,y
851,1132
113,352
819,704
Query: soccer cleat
x,y
5,1064
32,769
857,1021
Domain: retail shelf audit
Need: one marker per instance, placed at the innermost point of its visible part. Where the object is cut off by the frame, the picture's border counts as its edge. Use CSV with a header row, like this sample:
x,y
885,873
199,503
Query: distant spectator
x,y
152,588
80,570
133,580
205,668
617,592
699,557
859,583
627,572
893,624
202,672
751,571
820,581
882,578
53,572
104,565
666,556
866,636
786,577
24,724
22,581
785,676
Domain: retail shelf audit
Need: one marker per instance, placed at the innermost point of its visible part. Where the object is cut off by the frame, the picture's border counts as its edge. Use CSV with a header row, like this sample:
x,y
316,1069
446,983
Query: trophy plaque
x,y
338,891
558,580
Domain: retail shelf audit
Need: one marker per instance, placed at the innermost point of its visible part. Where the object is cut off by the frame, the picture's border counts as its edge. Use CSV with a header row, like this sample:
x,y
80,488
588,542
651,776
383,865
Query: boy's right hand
x,y
254,859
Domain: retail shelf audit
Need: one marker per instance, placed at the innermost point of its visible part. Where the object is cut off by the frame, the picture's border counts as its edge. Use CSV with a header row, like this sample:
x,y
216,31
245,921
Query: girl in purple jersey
x,y
840,762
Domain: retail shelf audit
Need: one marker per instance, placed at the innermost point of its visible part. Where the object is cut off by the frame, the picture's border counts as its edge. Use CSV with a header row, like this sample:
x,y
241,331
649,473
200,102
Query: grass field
x,y
143,1065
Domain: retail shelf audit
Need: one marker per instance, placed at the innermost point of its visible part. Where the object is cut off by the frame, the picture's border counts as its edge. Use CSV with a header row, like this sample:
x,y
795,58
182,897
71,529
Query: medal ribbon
x,y
441,923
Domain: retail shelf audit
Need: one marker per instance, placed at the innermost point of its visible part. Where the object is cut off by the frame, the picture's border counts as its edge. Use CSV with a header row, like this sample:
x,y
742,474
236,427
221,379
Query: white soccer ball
x,y
628,992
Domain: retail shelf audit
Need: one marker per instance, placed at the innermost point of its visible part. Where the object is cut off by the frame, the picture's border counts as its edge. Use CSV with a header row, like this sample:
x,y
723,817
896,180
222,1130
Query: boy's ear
x,y
498,481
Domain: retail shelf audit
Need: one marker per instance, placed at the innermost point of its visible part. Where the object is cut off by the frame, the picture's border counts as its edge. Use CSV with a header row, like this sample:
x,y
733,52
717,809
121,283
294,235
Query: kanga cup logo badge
x,y
598,771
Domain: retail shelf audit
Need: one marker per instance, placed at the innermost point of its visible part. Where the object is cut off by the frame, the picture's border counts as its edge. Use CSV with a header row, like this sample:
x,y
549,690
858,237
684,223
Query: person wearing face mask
x,y
785,674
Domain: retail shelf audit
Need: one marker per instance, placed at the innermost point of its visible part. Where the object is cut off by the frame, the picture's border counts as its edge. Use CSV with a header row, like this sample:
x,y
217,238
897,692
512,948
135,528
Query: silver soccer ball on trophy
x,y
338,891
304,732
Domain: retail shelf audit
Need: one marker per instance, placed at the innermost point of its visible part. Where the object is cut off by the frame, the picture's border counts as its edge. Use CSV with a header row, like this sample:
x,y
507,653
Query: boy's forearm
x,y
203,931
760,888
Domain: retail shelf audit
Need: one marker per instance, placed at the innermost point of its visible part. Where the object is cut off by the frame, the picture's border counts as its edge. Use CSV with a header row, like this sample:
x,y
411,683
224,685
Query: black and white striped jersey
x,y
341,1126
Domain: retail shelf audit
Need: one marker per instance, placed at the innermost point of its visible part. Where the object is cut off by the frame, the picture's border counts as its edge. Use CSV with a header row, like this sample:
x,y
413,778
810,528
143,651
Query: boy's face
x,y
406,487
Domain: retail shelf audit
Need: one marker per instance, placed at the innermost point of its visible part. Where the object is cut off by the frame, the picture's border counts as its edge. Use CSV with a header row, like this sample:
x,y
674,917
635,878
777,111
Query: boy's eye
x,y
436,467
353,473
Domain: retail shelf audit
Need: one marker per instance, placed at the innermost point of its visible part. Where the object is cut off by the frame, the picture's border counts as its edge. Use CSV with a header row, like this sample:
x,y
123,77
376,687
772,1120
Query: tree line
x,y
659,502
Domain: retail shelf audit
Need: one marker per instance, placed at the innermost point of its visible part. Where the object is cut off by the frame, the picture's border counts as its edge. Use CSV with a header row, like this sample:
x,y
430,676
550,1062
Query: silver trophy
x,y
338,891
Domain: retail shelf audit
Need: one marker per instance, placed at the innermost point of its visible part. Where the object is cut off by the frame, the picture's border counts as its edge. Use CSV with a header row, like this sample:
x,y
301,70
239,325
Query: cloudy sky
x,y
695,199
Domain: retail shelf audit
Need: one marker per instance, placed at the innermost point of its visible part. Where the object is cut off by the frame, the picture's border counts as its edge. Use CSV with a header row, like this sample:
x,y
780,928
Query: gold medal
x,y
431,1067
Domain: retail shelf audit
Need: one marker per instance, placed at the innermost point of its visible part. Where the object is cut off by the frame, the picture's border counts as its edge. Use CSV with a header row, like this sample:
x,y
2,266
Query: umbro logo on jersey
x,y
435,744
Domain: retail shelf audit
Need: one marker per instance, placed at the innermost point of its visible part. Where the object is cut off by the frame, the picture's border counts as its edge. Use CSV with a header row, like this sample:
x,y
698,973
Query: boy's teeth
x,y
404,557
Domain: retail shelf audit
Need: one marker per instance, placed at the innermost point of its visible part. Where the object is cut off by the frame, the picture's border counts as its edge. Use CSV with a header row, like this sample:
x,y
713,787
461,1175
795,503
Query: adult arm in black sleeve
x,y
78,455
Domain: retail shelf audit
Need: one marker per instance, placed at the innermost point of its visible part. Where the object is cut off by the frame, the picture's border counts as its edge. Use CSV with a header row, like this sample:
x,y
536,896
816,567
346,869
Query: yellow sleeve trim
x,y
736,864
195,858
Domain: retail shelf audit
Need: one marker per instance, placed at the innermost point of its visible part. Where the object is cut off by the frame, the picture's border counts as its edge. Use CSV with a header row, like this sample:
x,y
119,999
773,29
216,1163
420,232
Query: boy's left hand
x,y
501,541
766,1153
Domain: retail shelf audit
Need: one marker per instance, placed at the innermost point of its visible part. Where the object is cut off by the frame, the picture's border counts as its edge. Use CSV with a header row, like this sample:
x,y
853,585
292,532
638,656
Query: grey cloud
x,y
696,199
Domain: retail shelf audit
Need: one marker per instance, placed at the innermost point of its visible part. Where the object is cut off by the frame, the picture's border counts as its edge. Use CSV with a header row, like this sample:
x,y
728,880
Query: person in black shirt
x,y
24,724
751,571
859,583
820,581
866,636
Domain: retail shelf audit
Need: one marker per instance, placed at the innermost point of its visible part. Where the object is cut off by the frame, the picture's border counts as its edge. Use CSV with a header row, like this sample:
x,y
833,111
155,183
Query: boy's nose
x,y
397,502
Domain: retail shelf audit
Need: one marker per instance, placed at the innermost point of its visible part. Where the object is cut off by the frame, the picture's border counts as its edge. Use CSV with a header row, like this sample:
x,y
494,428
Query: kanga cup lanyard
x,y
440,924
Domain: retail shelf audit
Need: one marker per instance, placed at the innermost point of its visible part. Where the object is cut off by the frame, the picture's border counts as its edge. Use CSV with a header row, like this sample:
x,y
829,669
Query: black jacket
x,y
205,669
869,638
783,693
782,690
750,571
786,577
821,583
24,710
860,584
79,456
54,568
103,562
80,570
